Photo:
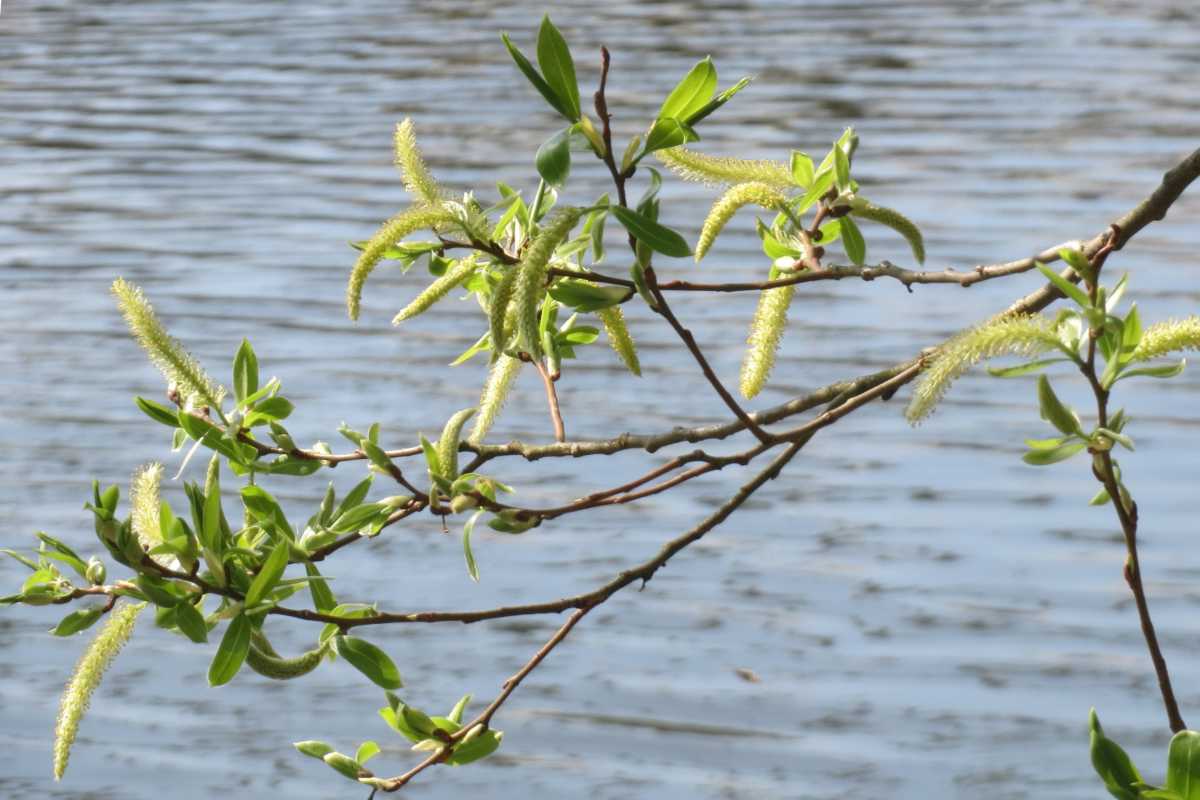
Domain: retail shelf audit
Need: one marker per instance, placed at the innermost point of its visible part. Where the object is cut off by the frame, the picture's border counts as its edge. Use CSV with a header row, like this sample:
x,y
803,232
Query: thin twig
x,y
560,433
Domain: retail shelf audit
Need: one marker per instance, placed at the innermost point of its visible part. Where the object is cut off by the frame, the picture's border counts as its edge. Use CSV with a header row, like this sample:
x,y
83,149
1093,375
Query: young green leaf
x,y
158,412
468,529
245,372
1040,458
369,660
313,748
1065,286
269,575
191,622
801,167
667,133
77,621
1183,765
852,241
692,93
559,104
1053,411
558,68
345,765
1112,764
553,158
657,237
231,653
1023,369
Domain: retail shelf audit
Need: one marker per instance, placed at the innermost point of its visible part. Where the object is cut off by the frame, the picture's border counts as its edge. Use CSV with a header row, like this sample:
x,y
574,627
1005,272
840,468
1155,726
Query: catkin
x,y
412,219
454,276
447,447
530,285
418,180
618,336
495,391
766,331
1171,336
180,369
894,220
144,498
78,694
1025,335
719,171
754,193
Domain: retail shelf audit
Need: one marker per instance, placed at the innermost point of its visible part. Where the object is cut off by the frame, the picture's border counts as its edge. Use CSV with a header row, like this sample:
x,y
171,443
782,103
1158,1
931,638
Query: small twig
x,y
560,434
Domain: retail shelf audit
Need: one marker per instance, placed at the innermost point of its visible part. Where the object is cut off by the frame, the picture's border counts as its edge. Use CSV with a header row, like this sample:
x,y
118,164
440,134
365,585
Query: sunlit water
x,y
928,616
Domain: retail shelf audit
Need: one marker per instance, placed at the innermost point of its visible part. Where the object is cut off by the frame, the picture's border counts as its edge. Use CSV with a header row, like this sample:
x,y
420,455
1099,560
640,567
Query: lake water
x,y
928,616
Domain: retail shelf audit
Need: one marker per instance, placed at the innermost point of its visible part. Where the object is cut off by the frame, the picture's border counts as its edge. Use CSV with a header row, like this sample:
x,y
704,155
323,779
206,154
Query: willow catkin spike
x,y
144,499
619,338
495,391
447,447
176,364
719,171
530,283
418,180
1025,335
452,277
272,665
901,224
766,330
412,219
1170,336
744,194
88,672
500,316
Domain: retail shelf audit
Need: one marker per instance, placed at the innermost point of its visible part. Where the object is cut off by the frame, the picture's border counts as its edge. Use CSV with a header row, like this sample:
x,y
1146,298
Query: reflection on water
x,y
926,615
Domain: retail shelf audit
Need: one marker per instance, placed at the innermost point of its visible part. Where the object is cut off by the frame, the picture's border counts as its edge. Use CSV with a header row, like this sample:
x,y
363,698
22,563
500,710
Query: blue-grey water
x,y
928,616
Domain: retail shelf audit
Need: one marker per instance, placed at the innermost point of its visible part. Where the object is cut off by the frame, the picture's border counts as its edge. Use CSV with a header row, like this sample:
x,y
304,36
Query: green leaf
x,y
1131,335
263,507
456,713
1045,444
692,93
355,519
1183,765
558,68
158,591
481,746
1165,371
245,372
802,169
1100,498
63,553
668,132
158,412
366,751
559,104
1040,458
1024,369
322,596
272,409
841,169
191,622
852,241
231,652
1112,764
369,660
344,764
586,297
210,531
1053,411
717,102
1065,286
468,529
313,748
269,575
553,158
657,237
432,461
1077,261
77,621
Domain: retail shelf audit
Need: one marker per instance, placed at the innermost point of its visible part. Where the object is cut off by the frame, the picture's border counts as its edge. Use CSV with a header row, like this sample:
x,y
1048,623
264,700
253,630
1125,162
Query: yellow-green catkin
x,y
500,313
744,194
1163,338
618,336
495,391
766,331
145,500
178,366
447,447
1025,335
901,224
530,284
412,219
418,180
88,672
718,171
453,276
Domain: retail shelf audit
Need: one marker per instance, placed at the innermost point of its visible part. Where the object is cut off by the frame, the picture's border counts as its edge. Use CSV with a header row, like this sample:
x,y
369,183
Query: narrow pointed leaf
x,y
557,103
558,69
369,660
657,237
232,651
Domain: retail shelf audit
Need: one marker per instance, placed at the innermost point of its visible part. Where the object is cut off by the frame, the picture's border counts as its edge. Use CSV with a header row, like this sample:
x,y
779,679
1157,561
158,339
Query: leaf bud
x,y
462,502
96,573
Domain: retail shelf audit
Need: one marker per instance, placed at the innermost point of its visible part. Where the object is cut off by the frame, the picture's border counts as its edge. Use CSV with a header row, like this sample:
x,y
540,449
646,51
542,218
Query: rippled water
x,y
928,616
